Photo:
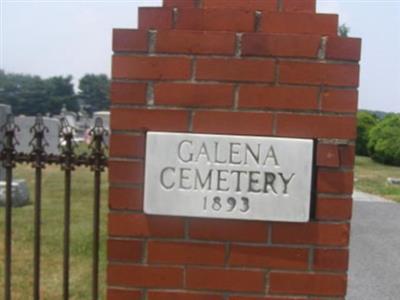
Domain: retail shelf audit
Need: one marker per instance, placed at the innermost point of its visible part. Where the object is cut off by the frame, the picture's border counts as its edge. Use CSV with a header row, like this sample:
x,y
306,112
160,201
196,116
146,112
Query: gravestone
x,y
24,136
19,187
393,180
19,193
5,110
71,119
105,118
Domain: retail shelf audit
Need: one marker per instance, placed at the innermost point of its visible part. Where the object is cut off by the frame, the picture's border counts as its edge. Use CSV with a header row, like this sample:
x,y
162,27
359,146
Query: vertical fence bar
x,y
8,234
97,160
38,157
96,238
8,155
67,212
37,234
97,165
67,164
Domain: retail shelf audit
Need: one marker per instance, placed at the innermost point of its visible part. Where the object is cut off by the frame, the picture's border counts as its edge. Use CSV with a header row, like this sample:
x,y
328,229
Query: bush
x,y
384,141
365,122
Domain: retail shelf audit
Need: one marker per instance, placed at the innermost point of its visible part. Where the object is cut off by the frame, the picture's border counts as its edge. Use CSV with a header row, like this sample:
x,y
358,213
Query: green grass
x,y
52,236
371,177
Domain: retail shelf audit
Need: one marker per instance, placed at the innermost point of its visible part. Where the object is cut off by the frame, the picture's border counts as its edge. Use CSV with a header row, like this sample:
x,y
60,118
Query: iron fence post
x,y
67,165
98,161
38,157
8,156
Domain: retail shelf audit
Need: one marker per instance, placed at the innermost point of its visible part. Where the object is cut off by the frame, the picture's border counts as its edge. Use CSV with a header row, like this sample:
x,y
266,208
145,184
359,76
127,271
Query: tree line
x,y
31,95
378,136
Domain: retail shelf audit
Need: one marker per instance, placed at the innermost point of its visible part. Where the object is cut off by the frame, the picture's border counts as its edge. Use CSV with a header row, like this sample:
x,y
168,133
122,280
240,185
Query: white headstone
x,y
24,136
5,110
71,120
393,180
19,193
105,117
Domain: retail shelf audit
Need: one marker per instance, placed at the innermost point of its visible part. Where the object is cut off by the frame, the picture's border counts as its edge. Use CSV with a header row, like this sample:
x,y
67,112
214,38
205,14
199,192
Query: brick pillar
x,y
255,67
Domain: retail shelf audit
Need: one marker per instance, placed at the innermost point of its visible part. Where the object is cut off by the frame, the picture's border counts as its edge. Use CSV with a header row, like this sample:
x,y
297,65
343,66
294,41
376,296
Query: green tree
x,y
61,92
30,95
384,142
344,30
365,122
94,92
26,94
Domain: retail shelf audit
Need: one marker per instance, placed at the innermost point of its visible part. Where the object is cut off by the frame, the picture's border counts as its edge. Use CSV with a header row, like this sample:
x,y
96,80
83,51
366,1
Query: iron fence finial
x,y
98,146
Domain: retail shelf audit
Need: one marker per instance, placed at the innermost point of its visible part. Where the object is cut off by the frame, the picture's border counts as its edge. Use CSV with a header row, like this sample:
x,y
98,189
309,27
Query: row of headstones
x,y
20,192
25,123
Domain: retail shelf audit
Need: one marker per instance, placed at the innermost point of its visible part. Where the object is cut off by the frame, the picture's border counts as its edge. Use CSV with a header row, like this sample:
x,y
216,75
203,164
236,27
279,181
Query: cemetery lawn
x,y
371,177
52,236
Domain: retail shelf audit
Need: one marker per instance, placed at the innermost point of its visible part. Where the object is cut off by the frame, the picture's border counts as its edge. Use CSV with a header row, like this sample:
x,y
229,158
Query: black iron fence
x,y
68,160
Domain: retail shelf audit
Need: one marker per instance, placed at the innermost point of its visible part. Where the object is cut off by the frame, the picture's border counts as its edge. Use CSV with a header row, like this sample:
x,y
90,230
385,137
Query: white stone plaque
x,y
228,176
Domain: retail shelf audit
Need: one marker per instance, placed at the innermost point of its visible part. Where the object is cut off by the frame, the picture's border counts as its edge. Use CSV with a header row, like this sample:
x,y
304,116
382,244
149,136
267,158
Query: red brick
x,y
268,257
164,295
183,253
328,155
139,225
319,73
130,40
125,198
157,68
215,19
345,101
340,182
236,70
333,209
265,5
308,284
180,3
300,23
143,120
313,126
126,172
124,250
155,18
115,294
145,276
343,48
331,259
128,93
308,6
233,122
228,230
347,155
184,94
284,45
225,280
334,156
268,97
195,42
264,298
123,145
311,233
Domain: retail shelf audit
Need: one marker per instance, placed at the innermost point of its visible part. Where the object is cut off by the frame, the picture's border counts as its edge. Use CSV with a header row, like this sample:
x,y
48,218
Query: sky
x,y
73,37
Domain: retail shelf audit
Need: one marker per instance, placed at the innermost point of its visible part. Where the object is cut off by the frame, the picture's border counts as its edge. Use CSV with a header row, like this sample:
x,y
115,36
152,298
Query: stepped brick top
x,y
248,67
